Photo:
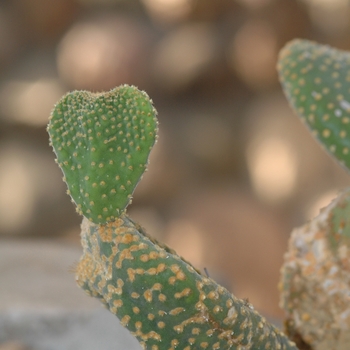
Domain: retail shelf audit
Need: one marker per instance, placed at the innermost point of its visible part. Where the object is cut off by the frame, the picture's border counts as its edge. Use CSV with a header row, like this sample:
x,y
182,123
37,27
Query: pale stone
x,y
41,306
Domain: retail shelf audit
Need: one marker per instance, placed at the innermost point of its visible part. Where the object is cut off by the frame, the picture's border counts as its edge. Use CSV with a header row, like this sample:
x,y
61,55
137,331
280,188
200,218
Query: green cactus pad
x,y
316,81
163,301
102,142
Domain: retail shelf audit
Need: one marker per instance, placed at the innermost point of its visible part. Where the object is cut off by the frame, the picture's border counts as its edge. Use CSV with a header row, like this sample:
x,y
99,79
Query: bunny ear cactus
x,y
102,143
316,81
315,282
163,301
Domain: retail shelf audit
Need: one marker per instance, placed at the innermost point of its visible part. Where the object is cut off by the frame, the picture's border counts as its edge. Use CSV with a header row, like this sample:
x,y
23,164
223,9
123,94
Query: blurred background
x,y
234,170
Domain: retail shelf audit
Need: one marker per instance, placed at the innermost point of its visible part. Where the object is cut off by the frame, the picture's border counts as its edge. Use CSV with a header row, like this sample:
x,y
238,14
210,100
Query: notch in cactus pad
x,y
102,142
316,81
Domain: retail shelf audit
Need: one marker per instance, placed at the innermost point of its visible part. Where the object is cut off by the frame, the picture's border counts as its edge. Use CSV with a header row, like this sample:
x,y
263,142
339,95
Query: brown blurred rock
x,y
165,13
207,10
29,102
105,51
254,4
13,346
183,55
331,18
10,38
259,34
289,19
32,193
44,20
253,54
210,142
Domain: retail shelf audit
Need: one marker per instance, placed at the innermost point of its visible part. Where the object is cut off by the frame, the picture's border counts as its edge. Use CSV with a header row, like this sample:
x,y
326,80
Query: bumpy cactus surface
x,y
316,80
102,143
162,299
315,284
315,281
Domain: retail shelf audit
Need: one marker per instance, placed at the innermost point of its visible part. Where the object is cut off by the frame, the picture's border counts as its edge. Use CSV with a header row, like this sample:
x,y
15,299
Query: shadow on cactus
x,y
315,281
102,142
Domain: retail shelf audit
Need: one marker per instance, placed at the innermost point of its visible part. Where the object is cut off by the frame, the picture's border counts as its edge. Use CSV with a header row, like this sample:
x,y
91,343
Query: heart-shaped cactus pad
x,y
316,81
102,142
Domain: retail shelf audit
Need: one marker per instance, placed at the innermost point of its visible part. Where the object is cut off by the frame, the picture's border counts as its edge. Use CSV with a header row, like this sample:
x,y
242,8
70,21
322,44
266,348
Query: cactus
x,y
315,279
102,143
162,299
315,283
316,81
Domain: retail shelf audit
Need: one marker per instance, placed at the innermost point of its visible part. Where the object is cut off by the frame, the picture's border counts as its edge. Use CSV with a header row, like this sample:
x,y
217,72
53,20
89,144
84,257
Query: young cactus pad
x,y
316,81
102,142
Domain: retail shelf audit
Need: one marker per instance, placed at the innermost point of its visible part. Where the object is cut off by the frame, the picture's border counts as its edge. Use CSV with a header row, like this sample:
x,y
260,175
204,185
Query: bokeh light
x,y
330,16
102,53
17,195
167,11
30,184
29,102
273,168
184,55
253,54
